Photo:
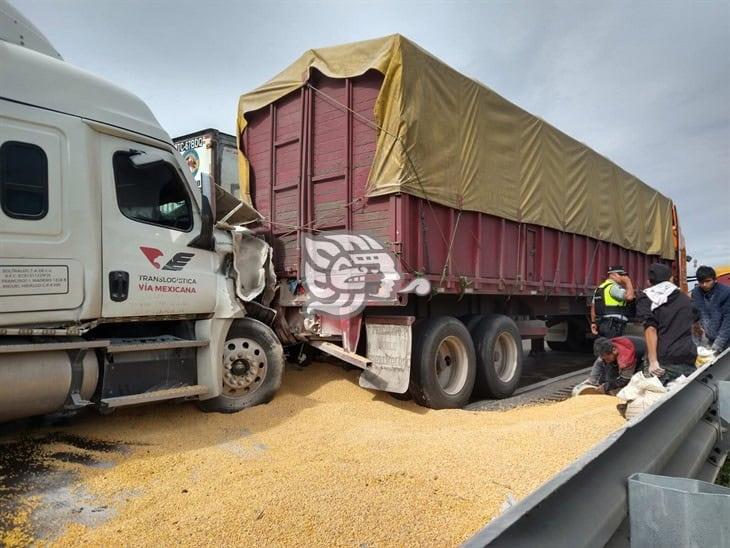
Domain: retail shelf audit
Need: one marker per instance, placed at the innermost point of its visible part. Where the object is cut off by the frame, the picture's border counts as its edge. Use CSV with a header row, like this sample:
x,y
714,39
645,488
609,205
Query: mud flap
x,y
389,350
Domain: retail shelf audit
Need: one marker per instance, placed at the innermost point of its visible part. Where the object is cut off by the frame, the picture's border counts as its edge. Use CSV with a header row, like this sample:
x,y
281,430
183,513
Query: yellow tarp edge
x,y
454,141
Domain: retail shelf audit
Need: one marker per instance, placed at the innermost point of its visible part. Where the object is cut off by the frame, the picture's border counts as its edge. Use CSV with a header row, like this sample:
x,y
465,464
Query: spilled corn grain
x,y
326,463
18,529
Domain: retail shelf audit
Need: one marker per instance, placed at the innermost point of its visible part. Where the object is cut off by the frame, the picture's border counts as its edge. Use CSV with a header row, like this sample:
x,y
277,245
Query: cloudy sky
x,y
646,83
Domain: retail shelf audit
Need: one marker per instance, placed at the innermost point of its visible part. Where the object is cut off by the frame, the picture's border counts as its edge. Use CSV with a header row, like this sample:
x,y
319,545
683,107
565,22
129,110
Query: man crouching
x,y
616,362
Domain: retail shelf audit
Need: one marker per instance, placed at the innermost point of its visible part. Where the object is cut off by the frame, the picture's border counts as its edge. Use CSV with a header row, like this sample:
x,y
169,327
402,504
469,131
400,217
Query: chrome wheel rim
x,y
244,366
451,364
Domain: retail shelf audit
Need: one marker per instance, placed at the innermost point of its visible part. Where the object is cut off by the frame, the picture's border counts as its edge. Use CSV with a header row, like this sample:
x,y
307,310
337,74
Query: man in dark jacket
x,y
712,301
668,315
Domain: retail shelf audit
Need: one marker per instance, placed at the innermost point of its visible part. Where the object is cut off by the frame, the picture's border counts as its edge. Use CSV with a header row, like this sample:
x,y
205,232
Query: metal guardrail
x,y
666,511
586,504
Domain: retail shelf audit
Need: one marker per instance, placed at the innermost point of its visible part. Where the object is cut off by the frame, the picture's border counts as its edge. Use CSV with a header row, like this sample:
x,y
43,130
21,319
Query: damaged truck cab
x,y
120,281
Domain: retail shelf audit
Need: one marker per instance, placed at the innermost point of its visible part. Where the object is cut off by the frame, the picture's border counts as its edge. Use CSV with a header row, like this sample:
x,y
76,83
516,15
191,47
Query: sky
x,y
645,83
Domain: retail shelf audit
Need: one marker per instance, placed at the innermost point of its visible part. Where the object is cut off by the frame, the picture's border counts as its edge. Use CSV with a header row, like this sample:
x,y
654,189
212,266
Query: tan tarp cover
x,y
456,142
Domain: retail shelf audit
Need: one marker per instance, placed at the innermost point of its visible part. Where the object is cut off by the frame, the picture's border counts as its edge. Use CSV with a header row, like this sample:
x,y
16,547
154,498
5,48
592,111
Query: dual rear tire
x,y
450,362
578,337
499,356
443,363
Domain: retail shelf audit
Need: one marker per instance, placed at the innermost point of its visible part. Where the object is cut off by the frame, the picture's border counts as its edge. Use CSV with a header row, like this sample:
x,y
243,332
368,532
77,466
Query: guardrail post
x,y
723,404
665,511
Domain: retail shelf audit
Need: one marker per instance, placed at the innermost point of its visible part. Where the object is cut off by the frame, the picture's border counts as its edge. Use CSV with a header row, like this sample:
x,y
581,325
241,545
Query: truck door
x,y
149,216
41,265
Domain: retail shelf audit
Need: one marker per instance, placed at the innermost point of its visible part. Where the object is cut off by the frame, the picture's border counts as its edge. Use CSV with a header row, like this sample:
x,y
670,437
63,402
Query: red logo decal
x,y
151,253
178,261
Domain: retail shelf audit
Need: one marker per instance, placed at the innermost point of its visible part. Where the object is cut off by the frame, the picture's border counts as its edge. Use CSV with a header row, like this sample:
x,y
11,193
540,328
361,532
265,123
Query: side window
x,y
153,193
23,180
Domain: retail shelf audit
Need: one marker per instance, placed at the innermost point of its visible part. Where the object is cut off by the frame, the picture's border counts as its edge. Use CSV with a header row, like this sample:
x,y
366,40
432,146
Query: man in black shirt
x,y
668,315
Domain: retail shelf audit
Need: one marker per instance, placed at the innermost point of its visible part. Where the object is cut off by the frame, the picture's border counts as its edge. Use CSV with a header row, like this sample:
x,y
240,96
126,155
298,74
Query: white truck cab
x,y
120,283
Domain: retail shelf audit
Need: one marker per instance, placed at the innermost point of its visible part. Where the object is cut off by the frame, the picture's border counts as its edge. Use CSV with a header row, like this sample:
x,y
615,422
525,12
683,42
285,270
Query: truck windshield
x,y
153,193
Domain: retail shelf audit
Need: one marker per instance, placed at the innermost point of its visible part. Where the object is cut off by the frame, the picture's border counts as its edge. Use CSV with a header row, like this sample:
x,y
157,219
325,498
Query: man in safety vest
x,y
609,309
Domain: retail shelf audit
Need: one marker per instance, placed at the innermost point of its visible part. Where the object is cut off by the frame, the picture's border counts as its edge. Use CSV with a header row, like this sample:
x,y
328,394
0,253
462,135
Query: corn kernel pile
x,y
326,463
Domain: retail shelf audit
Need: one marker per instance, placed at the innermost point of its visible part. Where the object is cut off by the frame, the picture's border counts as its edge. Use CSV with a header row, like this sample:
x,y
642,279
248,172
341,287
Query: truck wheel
x,y
580,338
499,356
253,364
558,346
470,321
443,365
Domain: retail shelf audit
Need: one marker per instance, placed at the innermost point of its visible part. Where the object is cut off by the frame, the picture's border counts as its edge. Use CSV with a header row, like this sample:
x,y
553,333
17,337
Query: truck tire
x,y
443,364
470,321
578,336
578,339
499,356
559,346
253,364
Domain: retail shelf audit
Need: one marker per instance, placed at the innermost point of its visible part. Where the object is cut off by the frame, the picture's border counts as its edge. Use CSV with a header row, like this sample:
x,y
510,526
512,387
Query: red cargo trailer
x,y
309,157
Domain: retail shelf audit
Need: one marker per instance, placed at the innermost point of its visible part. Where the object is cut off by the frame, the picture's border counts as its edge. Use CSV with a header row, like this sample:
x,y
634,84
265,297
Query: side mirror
x,y
207,189
205,239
